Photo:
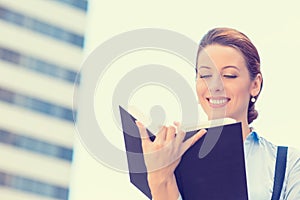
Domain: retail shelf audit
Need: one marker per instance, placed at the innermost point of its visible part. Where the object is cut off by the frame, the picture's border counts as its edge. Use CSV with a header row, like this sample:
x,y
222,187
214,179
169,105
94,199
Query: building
x,y
41,49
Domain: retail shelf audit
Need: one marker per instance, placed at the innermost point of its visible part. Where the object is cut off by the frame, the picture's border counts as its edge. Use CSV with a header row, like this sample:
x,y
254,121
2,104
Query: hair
x,y
233,38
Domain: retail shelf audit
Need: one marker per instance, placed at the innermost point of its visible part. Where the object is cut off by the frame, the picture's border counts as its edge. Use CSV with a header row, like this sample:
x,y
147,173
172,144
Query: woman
x,y
228,84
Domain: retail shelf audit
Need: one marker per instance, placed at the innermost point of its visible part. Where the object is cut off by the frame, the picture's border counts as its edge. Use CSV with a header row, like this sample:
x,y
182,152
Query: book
x,y
212,169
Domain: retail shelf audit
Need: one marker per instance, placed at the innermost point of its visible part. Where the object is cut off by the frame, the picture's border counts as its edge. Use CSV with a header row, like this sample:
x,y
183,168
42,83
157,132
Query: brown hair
x,y
233,38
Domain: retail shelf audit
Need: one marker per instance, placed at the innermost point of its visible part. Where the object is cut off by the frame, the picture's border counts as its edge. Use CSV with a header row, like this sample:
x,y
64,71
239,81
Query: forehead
x,y
219,56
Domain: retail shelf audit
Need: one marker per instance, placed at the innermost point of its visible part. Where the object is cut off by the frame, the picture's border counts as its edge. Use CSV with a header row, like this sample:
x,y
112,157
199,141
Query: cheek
x,y
200,88
242,93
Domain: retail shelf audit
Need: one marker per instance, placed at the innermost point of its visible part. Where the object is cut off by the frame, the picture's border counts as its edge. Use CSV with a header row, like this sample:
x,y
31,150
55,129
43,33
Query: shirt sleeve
x,y
292,191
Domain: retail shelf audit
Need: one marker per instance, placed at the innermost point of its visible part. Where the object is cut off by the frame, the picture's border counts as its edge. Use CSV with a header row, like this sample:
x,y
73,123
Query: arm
x,y
292,191
166,190
162,156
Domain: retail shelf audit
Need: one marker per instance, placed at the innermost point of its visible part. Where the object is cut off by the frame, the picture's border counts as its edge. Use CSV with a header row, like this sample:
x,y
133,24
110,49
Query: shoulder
x,y
293,159
266,145
293,156
294,153
293,174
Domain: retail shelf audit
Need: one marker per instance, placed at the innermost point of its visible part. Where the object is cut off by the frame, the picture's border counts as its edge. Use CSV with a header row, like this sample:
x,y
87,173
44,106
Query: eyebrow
x,y
225,67
231,66
205,67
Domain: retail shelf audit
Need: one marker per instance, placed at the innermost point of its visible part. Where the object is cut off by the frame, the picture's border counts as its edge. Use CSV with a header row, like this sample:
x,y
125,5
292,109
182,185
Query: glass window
x,y
33,186
81,4
35,145
9,56
36,105
41,27
7,96
38,65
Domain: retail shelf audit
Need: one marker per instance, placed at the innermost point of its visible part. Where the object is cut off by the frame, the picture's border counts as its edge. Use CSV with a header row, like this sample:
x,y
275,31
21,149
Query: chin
x,y
217,114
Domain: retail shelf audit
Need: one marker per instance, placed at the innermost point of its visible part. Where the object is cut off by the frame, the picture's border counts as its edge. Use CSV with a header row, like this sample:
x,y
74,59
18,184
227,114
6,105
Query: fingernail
x,y
176,123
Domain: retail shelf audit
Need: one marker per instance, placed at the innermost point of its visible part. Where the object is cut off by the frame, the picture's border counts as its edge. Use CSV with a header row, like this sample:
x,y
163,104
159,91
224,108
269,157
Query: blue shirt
x,y
260,157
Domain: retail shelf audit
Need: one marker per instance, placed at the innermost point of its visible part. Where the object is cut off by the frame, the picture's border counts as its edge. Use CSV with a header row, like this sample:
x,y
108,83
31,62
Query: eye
x,y
205,76
229,76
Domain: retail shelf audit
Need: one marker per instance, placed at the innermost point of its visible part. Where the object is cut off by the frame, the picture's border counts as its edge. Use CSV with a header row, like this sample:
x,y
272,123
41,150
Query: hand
x,y
163,155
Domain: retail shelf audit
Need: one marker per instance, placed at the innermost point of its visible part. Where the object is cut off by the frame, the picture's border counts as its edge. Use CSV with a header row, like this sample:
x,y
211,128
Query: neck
x,y
245,127
246,130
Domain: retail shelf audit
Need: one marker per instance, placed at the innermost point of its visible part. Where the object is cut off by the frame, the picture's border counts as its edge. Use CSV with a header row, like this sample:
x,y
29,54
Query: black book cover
x,y
212,169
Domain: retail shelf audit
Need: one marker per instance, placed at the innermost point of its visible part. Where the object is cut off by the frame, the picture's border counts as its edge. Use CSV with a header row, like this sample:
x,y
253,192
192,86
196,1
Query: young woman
x,y
228,84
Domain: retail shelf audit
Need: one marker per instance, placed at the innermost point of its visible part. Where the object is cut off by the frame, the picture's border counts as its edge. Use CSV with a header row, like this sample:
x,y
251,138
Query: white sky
x,y
273,27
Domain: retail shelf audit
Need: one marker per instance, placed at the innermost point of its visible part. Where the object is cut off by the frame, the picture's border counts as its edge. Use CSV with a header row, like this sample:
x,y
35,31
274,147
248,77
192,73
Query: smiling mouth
x,y
218,102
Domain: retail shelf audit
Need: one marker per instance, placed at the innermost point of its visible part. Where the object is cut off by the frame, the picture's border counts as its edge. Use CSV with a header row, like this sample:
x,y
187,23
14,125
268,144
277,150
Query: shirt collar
x,y
250,140
253,136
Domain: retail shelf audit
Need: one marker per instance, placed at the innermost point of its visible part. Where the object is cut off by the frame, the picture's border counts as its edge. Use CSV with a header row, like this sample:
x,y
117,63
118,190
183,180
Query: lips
x,y
218,101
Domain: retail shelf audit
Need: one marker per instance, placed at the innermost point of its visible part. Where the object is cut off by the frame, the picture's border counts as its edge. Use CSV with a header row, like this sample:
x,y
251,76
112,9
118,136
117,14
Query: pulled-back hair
x,y
233,38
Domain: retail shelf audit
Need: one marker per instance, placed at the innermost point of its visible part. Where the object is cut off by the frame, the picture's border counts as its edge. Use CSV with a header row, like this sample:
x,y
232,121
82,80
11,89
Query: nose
x,y
215,85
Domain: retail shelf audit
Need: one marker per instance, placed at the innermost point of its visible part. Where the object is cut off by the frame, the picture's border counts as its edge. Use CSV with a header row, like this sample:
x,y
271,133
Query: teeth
x,y
218,101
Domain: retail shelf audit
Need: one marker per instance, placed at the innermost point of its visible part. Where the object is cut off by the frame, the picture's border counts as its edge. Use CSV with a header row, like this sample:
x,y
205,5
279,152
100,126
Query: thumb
x,y
198,135
189,142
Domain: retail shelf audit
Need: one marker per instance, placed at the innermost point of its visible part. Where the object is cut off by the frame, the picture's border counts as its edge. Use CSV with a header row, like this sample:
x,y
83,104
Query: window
x,y
35,145
81,4
33,186
37,105
41,27
38,65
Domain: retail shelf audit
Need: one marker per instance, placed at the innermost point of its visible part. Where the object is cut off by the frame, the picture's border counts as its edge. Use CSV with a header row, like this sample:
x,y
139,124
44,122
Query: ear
x,y
256,85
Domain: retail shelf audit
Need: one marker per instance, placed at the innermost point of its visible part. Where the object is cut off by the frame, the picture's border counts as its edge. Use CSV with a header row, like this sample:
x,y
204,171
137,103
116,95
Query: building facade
x,y
41,49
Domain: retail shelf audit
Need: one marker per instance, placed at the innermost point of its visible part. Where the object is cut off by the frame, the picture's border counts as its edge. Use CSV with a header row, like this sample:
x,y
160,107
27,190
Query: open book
x,y
212,169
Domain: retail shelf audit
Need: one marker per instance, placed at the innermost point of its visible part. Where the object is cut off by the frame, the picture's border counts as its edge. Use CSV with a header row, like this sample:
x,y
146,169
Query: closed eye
x,y
229,76
205,76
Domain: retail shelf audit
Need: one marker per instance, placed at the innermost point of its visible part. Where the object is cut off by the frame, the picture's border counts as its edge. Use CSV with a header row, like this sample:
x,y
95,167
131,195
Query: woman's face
x,y
223,83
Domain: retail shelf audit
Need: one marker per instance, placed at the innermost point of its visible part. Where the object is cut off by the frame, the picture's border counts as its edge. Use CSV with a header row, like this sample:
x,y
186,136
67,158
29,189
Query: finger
x,y
143,132
189,142
161,135
180,133
171,132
